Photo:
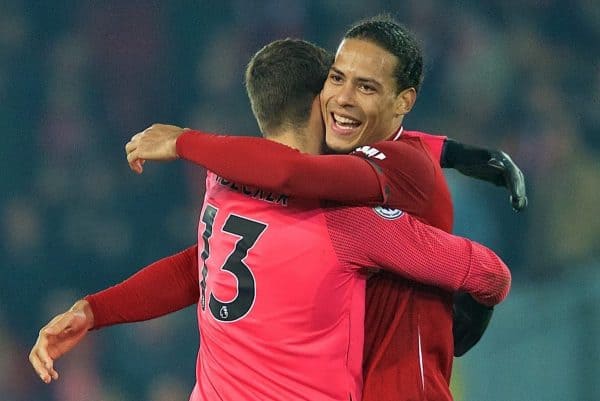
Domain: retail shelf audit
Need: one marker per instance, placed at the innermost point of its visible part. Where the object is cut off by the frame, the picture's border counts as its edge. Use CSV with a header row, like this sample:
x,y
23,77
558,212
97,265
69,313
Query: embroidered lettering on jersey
x,y
253,192
372,152
388,213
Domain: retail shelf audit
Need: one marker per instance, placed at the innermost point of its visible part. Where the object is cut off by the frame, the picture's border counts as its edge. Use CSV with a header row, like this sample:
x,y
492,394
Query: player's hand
x,y
470,320
158,142
490,165
511,177
58,337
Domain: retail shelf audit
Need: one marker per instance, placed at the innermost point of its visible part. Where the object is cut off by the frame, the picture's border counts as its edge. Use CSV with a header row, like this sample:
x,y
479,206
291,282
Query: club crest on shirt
x,y
388,213
224,312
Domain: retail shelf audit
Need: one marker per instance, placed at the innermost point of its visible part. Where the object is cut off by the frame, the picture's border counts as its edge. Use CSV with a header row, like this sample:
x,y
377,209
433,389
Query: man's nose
x,y
345,96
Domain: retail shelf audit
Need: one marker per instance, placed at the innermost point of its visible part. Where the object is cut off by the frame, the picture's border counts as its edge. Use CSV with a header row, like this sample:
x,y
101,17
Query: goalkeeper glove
x,y
493,166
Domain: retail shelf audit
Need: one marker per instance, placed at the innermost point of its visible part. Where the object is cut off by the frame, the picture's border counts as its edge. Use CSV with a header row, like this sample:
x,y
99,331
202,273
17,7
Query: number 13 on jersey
x,y
248,232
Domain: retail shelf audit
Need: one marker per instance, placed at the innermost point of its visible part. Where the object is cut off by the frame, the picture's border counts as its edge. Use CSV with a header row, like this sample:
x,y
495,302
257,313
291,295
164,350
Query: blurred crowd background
x,y
79,78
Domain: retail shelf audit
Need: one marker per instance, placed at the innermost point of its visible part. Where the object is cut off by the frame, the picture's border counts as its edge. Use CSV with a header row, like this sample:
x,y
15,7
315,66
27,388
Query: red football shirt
x,y
409,345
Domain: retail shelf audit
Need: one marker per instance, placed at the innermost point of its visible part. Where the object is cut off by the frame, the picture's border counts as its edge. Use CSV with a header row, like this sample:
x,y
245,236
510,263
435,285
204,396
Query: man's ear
x,y
405,101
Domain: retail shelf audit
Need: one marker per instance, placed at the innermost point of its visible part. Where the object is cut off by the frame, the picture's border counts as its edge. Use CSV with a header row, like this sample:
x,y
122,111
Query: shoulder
x,y
389,149
400,154
433,143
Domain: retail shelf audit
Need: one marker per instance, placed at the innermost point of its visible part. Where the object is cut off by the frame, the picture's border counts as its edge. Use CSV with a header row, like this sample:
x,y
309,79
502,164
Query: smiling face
x,y
359,100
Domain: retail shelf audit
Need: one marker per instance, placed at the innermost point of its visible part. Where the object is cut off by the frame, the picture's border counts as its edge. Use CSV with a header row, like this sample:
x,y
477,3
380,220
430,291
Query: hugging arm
x,y
165,286
420,253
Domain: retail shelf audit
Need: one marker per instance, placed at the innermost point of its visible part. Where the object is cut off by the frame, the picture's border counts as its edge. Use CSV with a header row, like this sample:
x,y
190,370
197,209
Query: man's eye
x,y
335,78
367,88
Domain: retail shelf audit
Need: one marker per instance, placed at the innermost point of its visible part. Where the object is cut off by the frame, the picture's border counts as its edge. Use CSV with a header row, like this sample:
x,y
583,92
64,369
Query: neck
x,y
398,125
297,139
308,139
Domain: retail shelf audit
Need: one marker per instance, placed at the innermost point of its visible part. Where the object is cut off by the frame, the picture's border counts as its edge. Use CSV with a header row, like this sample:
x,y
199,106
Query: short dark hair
x,y
282,80
385,32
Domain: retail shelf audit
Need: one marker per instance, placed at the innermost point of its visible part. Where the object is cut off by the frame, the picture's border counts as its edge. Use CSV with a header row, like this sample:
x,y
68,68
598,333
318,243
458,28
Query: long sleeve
x,y
418,252
350,179
165,286
272,166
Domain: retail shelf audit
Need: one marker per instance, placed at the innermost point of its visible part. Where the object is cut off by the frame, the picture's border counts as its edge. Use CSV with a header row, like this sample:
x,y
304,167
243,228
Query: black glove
x,y
493,166
470,321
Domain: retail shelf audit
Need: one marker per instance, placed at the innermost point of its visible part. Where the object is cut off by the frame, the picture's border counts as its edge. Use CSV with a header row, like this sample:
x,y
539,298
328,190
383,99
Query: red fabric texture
x,y
275,167
368,238
413,180
165,286
435,143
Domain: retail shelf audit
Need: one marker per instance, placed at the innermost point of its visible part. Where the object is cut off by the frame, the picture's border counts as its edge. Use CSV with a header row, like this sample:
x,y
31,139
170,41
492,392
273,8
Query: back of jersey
x,y
280,318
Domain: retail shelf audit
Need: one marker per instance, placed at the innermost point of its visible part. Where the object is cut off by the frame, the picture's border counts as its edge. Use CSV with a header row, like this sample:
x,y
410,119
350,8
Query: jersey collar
x,y
396,136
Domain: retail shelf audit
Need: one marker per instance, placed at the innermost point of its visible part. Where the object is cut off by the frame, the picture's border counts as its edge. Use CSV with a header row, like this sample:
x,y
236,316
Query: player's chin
x,y
341,143
338,145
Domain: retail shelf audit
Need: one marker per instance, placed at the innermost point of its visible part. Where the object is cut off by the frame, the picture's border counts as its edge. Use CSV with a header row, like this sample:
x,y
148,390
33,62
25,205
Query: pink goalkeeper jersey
x,y
282,293
280,317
